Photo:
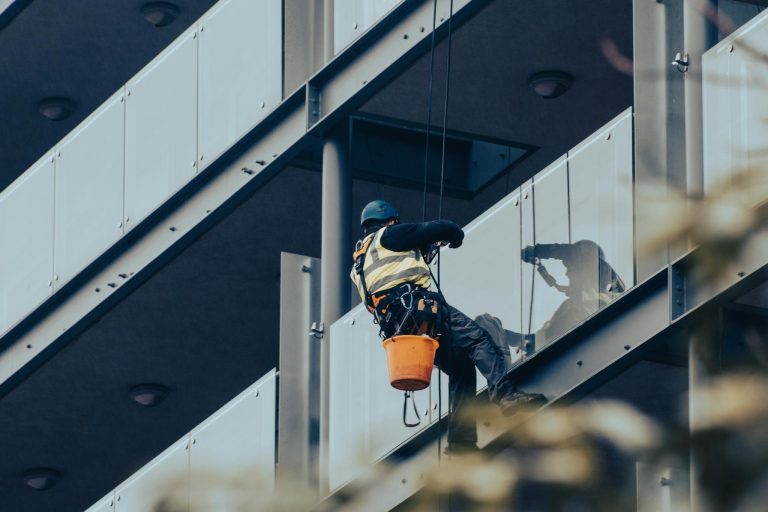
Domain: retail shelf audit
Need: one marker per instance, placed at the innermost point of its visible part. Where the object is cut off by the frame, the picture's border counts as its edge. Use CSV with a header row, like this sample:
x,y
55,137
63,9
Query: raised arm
x,y
420,235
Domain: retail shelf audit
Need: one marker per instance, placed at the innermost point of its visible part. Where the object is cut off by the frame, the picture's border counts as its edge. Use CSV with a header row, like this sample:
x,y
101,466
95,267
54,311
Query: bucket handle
x,y
406,395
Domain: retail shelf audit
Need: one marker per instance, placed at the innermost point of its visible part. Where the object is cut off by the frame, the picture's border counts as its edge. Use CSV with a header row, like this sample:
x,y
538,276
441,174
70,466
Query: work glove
x,y
456,242
528,254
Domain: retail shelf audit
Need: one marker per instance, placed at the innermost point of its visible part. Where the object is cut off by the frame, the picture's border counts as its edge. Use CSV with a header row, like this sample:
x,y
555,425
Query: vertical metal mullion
x,y
568,195
334,301
52,280
125,145
199,34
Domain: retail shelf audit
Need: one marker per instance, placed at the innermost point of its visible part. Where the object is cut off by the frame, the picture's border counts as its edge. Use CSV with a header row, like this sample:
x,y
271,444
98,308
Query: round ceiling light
x,y
41,479
160,14
56,109
550,84
149,395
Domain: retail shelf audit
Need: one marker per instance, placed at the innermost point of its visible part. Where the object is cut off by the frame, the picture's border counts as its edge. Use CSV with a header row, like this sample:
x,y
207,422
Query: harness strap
x,y
425,311
361,249
376,303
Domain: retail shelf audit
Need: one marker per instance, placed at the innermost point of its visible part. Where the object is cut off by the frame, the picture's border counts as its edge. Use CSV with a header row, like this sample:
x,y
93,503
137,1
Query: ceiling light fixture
x,y
149,395
550,84
41,479
56,109
160,14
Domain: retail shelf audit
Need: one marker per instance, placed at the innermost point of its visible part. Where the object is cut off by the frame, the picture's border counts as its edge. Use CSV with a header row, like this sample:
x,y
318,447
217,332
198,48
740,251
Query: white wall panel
x,y
716,118
752,115
600,183
89,189
349,388
373,10
239,440
736,102
736,108
527,237
106,504
346,25
240,77
439,395
161,128
26,254
493,290
620,251
365,411
166,475
551,225
353,17
234,445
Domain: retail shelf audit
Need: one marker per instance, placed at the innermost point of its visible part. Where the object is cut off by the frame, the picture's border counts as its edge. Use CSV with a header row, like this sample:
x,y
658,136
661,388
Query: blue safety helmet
x,y
379,210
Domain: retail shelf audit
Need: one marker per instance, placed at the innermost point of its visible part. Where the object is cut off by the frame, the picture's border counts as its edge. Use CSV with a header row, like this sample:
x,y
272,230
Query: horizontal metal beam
x,y
379,54
695,290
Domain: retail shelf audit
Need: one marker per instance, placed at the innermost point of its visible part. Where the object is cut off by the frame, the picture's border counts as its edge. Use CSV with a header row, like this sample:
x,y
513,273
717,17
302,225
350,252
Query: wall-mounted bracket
x,y
317,331
682,62
314,107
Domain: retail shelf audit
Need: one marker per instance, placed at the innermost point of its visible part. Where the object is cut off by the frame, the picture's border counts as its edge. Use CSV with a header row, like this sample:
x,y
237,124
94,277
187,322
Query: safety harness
x,y
421,308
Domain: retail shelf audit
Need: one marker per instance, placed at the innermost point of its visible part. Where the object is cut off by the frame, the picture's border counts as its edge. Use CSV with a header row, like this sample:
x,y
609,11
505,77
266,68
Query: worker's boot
x,y
513,403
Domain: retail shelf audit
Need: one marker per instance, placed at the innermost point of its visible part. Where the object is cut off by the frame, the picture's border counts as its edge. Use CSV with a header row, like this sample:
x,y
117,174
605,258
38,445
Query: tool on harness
x,y
432,253
419,311
407,395
373,303
415,309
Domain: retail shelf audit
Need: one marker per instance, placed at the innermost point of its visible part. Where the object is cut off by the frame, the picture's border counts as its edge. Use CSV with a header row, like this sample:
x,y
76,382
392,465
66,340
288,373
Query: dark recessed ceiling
x,y
493,57
391,151
81,50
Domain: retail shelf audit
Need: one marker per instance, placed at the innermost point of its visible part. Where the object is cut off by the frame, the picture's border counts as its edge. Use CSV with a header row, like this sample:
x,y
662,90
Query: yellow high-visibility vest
x,y
384,269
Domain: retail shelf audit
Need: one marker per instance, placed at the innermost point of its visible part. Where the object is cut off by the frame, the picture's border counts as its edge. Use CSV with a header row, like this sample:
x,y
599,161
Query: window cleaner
x,y
393,277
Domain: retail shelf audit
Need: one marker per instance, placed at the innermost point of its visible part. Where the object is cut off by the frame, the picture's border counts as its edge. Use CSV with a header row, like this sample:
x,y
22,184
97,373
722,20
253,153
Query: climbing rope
x,y
429,109
442,179
527,339
445,122
440,216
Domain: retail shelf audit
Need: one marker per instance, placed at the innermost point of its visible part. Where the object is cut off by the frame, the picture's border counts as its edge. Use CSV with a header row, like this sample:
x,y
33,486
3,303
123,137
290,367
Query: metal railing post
x,y
335,256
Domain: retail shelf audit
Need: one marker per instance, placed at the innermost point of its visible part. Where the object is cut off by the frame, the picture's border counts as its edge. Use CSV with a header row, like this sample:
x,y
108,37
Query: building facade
x,y
176,316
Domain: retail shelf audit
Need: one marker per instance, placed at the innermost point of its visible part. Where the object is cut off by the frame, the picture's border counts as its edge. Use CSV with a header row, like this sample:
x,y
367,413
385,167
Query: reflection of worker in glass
x,y
392,276
592,283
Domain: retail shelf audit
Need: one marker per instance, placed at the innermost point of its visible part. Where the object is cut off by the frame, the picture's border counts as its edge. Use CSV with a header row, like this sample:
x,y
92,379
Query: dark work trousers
x,y
464,346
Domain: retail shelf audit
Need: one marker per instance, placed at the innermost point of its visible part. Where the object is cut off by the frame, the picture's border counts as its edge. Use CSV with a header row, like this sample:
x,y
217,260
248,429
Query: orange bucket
x,y
410,359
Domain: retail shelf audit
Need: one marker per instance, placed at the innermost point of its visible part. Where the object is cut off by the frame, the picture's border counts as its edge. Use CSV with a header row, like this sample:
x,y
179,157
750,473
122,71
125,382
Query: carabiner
x,y
406,395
